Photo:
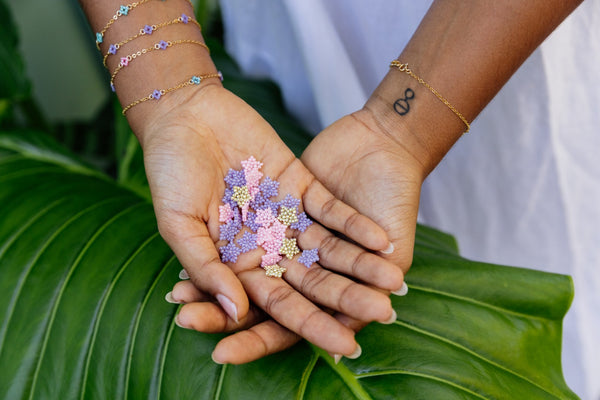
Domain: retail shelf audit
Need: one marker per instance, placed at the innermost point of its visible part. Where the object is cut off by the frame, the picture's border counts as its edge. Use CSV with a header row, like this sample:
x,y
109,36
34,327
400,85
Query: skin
x,y
191,138
376,159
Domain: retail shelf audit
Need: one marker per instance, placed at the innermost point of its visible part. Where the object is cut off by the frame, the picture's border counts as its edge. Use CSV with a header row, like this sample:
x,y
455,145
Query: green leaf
x,y
14,84
84,274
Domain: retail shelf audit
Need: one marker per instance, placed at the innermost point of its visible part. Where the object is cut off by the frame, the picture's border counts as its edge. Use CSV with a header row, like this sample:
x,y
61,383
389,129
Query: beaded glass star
x,y
274,270
308,257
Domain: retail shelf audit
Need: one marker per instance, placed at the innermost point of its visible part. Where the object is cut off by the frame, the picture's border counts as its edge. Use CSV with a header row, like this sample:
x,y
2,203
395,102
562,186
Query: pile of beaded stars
x,y
247,203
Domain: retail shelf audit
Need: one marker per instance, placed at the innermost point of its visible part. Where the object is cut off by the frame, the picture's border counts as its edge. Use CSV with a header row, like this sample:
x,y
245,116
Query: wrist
x,y
162,60
412,115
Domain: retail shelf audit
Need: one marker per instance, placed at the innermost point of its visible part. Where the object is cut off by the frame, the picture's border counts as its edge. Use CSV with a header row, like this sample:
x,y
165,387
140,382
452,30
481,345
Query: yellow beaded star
x,y
274,270
287,215
289,248
241,195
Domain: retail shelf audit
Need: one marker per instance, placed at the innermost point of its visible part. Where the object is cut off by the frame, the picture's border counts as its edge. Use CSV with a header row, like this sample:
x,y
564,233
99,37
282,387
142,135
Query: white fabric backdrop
x,y
523,188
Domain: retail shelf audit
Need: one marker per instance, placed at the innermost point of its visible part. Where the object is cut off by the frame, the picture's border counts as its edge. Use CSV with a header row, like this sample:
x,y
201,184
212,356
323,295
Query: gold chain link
x,y
404,68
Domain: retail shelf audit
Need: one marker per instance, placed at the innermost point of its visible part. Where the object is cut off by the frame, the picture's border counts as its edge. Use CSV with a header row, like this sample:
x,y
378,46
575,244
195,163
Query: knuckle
x,y
359,260
352,221
328,246
328,206
312,280
277,296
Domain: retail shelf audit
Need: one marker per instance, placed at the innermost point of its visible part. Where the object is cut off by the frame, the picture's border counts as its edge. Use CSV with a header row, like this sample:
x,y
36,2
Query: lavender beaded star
x,y
269,188
308,257
303,222
230,252
229,230
227,198
290,201
235,178
251,222
247,242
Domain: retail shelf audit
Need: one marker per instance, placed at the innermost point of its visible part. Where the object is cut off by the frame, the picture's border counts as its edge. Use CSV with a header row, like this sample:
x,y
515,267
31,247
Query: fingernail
x,y
402,291
392,319
356,353
170,299
389,250
228,306
337,358
215,361
183,275
178,322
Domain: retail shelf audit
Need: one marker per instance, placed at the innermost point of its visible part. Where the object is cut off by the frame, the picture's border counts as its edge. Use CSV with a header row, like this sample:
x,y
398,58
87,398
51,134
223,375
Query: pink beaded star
x,y
251,164
265,217
270,259
225,213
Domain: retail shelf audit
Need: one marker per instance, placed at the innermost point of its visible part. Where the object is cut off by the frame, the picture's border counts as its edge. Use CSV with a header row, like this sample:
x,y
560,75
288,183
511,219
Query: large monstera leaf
x,y
83,274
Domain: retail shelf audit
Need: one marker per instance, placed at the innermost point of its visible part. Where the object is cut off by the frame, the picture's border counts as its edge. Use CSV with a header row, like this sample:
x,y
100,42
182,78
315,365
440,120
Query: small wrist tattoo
x,y
402,106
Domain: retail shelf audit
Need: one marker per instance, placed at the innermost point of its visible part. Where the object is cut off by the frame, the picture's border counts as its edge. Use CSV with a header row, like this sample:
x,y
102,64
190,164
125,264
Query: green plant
x,y
84,273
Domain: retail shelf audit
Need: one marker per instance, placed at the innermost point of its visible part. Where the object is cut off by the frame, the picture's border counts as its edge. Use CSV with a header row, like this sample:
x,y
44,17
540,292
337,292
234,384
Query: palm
x,y
374,174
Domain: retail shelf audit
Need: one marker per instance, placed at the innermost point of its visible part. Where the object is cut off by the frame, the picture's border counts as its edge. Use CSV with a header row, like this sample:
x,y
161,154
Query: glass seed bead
x,y
99,37
124,10
163,45
148,30
112,49
184,18
196,80
156,94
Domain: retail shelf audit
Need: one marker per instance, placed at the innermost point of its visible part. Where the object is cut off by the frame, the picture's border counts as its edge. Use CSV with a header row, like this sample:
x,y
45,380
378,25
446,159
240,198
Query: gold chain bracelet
x,y
148,30
162,45
158,93
404,68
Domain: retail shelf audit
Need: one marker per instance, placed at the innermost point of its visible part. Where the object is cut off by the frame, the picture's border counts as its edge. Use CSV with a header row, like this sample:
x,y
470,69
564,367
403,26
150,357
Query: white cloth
x,y
523,188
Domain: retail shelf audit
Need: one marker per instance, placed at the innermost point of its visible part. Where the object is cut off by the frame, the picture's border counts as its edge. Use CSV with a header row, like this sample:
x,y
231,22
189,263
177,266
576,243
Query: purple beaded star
x,y
269,188
247,242
229,230
235,178
230,252
227,198
258,201
290,201
308,257
251,222
303,222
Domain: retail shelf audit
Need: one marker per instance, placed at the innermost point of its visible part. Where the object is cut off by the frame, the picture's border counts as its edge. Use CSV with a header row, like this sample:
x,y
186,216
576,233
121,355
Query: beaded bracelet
x,y
158,93
122,11
162,45
404,68
148,30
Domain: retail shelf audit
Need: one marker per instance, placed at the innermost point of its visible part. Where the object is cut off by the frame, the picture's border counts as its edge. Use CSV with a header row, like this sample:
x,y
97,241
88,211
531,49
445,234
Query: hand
x,y
364,166
189,145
